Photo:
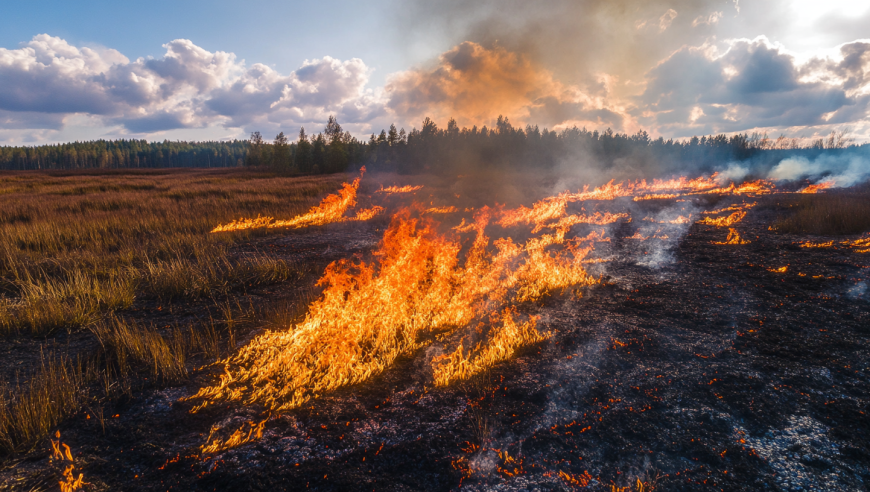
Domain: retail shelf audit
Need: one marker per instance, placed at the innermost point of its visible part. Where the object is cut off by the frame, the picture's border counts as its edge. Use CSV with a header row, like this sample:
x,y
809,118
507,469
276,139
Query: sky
x,y
195,70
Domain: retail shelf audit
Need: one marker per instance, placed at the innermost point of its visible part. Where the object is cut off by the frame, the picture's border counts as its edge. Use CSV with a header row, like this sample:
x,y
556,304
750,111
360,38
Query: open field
x,y
84,255
686,362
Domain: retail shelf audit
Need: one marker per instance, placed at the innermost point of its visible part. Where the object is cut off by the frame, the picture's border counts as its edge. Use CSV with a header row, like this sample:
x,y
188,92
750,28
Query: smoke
x,y
574,38
735,172
473,83
842,170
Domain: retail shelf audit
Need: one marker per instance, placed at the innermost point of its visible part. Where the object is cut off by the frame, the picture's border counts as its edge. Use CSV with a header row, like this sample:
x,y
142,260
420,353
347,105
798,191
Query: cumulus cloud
x,y
743,85
707,20
753,84
47,79
473,84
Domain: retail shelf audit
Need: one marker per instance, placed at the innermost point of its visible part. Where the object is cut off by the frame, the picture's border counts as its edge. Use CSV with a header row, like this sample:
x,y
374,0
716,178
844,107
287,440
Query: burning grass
x,y
827,214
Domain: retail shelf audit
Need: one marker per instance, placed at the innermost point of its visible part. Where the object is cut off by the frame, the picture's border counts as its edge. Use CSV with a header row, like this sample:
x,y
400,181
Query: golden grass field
x,y
78,249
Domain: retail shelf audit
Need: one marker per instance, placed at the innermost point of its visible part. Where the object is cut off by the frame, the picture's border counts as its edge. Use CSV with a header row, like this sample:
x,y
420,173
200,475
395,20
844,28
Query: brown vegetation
x,y
74,248
77,250
827,214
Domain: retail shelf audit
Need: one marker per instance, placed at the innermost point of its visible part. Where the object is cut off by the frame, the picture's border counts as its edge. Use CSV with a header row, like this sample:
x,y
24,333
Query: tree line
x,y
429,149
119,154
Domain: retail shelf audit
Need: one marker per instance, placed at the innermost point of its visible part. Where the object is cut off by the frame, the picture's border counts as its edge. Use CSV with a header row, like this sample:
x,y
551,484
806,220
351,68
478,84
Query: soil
x,y
692,366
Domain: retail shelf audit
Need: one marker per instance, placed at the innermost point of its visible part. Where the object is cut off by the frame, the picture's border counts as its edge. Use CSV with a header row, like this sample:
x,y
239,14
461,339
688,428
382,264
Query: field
x,y
697,353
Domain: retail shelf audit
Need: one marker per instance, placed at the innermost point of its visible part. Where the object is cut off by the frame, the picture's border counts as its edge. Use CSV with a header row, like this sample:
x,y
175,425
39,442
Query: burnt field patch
x,y
689,366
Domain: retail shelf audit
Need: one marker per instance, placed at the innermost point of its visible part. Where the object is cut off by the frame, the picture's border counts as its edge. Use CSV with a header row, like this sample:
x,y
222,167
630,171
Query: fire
x,y
581,480
733,238
61,452
810,244
441,210
236,439
422,282
400,189
781,269
760,187
723,221
330,210
861,245
371,313
815,188
658,196
508,338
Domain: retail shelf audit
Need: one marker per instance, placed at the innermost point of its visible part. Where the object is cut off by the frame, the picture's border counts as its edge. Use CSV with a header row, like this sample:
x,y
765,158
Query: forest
x,y
429,149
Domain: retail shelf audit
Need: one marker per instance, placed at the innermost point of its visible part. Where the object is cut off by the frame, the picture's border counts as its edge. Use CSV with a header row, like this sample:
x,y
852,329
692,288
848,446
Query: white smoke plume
x,y
841,170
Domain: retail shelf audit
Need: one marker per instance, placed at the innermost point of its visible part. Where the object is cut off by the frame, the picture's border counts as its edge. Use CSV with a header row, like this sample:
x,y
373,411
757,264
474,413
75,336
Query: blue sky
x,y
219,69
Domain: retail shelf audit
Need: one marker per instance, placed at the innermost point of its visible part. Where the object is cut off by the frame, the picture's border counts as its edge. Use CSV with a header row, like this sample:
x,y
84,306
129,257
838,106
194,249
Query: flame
x,y
760,187
810,244
329,211
70,482
508,338
399,189
656,196
581,480
423,285
781,269
441,210
370,314
723,221
861,245
61,452
733,238
236,439
815,188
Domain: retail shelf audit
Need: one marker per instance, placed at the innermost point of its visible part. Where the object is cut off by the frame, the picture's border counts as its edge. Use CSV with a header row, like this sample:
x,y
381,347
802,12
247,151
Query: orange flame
x,y
441,210
399,189
61,452
330,210
815,188
723,221
236,439
508,338
658,196
733,238
370,314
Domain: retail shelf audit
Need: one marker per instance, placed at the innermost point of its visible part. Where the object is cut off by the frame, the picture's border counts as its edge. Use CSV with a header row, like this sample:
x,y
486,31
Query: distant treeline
x,y
116,154
429,149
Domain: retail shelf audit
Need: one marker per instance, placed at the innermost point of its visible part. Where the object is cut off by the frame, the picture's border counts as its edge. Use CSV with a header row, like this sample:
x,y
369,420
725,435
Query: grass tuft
x,y
29,411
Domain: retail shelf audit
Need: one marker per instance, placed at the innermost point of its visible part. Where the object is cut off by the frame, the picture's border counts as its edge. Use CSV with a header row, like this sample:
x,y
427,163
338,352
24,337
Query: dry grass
x,y
74,248
828,214
131,355
29,411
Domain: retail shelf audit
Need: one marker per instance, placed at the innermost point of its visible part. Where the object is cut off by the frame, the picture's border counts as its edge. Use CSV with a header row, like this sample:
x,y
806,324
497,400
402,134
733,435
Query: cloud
x,y
188,87
474,84
666,19
707,20
754,84
698,88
